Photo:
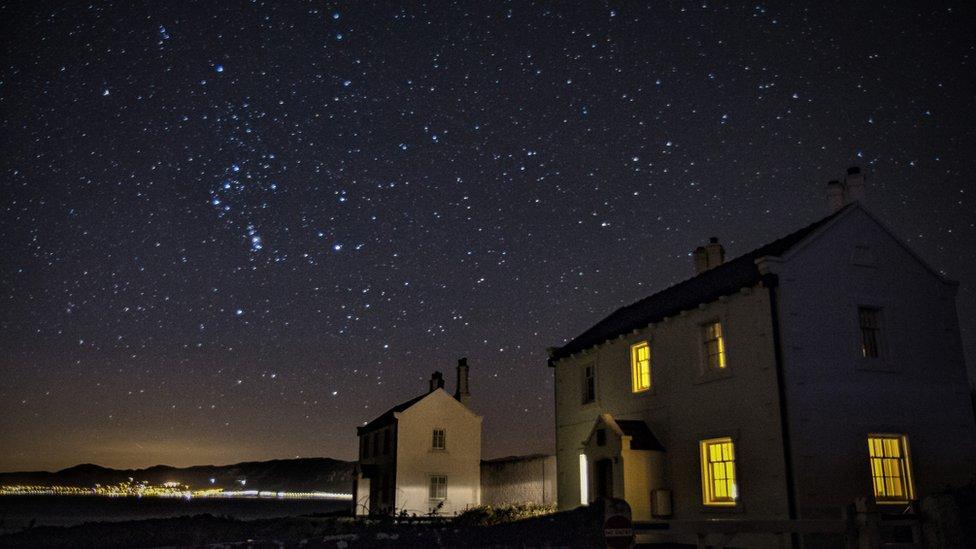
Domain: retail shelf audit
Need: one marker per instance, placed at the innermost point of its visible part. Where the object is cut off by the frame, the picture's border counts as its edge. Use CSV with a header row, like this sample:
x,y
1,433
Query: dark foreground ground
x,y
570,529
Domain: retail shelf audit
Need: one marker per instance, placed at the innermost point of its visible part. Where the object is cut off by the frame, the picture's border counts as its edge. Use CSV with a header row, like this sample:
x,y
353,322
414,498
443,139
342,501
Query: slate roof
x,y
387,416
641,437
726,279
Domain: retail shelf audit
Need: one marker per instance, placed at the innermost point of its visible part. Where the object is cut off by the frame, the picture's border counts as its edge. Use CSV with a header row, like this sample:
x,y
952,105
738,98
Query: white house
x,y
824,366
422,456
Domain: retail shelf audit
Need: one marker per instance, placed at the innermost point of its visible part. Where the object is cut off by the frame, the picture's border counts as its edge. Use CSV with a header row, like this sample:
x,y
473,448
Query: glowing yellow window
x,y
714,346
718,472
891,470
640,367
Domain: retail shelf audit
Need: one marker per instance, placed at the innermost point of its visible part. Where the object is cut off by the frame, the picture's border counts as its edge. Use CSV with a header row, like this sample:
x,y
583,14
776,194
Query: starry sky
x,y
237,230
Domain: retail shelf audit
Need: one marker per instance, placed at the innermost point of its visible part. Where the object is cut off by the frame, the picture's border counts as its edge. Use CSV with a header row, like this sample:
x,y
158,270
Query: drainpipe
x,y
771,282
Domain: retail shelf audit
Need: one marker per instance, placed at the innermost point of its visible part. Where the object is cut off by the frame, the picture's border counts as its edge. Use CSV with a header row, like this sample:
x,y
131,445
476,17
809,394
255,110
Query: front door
x,y
604,478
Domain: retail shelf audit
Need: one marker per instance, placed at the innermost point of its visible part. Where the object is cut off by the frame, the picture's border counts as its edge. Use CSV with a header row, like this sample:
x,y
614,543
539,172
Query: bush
x,y
489,515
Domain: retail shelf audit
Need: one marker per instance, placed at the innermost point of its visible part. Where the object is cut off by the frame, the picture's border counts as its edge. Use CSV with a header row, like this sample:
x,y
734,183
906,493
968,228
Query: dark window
x,y
364,446
439,440
589,383
870,321
601,437
386,441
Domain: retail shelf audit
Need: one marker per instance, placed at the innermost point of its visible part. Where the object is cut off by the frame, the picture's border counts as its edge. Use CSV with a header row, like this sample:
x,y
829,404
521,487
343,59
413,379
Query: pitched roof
x,y
388,415
641,437
708,286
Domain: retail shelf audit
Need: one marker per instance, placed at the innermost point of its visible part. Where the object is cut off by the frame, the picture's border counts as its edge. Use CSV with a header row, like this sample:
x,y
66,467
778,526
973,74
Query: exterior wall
x,y
375,495
684,406
360,495
644,471
460,462
836,397
521,479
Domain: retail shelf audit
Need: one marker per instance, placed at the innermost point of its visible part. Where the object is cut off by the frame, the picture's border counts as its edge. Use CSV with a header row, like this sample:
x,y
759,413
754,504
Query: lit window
x,y
589,383
584,480
438,488
891,471
640,367
870,321
718,472
439,440
714,346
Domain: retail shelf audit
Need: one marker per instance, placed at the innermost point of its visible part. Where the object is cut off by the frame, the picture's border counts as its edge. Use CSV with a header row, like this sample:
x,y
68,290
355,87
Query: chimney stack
x,y
709,256
835,195
701,260
854,184
462,392
851,190
436,381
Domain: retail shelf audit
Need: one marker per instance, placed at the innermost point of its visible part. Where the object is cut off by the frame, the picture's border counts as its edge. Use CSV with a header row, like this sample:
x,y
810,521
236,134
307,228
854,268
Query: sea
x,y
18,512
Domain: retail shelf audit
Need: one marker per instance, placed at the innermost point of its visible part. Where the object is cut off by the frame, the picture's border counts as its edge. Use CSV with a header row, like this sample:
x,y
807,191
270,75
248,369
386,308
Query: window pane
x,y
713,346
870,323
718,472
890,468
640,367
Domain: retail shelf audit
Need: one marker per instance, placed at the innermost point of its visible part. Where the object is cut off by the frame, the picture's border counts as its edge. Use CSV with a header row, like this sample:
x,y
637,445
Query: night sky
x,y
238,230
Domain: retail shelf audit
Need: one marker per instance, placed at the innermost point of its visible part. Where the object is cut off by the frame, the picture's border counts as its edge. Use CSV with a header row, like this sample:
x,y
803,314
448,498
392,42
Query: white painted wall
x,y
416,461
919,389
684,406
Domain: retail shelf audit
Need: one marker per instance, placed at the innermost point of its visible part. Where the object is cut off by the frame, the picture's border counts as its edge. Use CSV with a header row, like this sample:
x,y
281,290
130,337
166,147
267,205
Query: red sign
x,y
618,532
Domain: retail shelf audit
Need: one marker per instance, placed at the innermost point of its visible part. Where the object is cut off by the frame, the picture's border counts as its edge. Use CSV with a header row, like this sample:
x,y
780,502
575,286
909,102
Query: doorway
x,y
604,478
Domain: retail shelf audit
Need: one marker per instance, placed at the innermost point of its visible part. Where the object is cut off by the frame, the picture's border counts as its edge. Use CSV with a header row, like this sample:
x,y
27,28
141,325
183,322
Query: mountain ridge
x,y
294,475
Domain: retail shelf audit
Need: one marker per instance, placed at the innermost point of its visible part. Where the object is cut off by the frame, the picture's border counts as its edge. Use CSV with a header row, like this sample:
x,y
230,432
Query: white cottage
x,y
422,456
785,383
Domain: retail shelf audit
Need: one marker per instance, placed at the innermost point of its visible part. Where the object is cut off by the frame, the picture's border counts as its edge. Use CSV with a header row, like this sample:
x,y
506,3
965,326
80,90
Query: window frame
x,y
442,438
431,494
705,339
588,384
877,333
904,460
708,479
638,367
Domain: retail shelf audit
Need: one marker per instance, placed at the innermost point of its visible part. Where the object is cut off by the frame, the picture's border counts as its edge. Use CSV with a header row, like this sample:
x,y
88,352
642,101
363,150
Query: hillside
x,y
305,474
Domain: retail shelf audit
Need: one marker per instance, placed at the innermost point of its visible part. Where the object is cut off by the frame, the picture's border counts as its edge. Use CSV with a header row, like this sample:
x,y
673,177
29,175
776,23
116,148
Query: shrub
x,y
489,515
